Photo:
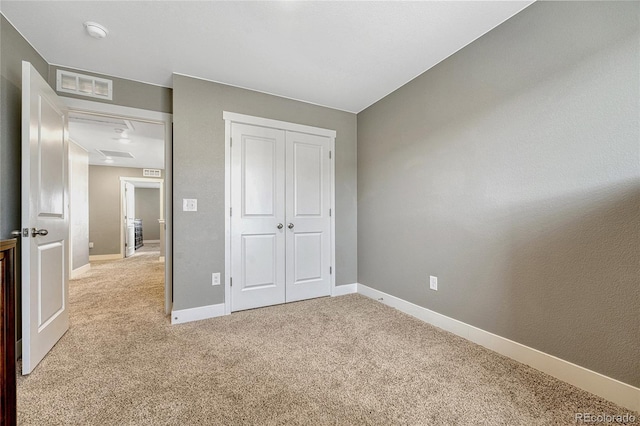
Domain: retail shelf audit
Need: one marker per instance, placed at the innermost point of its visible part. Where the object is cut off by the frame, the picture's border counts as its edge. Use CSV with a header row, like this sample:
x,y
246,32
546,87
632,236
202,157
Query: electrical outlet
x,y
91,244
215,278
433,282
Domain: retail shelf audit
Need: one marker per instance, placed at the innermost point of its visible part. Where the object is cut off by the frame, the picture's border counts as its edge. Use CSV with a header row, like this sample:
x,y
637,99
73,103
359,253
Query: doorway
x,y
280,229
142,215
135,152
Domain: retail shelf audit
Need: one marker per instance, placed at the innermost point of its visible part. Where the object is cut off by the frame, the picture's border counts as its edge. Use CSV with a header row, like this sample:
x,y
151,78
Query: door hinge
x,y
230,141
329,212
230,211
330,270
230,282
329,155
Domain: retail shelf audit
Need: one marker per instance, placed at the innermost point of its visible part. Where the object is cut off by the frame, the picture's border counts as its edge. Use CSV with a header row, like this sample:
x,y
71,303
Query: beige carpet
x,y
332,361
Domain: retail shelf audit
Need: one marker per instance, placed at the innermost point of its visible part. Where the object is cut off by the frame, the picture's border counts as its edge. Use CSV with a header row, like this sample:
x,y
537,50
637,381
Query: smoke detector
x,y
96,30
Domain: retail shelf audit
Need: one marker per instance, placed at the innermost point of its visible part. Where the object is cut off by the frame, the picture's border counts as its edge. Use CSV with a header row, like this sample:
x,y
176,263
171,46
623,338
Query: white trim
x,y
99,257
166,119
150,241
611,389
276,124
232,117
341,290
196,314
227,218
79,271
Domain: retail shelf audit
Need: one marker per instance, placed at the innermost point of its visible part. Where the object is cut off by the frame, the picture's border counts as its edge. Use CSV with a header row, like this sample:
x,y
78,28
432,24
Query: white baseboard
x,y
341,290
196,314
97,257
150,241
611,389
79,271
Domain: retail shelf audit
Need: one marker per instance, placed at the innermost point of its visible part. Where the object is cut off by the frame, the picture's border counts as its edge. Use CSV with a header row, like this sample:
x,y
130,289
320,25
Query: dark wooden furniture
x,y
137,224
7,333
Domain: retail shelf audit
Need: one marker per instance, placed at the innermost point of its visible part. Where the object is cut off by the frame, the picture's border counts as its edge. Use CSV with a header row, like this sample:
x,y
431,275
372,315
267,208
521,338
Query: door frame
x,y
232,117
133,181
166,119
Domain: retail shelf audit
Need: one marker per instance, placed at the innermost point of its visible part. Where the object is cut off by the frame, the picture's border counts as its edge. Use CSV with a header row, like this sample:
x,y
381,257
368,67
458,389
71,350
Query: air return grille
x,y
118,154
84,85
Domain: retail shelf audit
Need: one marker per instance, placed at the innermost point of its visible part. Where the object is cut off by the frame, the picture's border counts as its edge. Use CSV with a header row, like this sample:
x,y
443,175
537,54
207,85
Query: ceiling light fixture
x,y
96,30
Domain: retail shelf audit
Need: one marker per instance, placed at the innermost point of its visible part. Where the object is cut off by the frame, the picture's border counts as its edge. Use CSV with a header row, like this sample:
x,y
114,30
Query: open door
x,y
129,219
45,219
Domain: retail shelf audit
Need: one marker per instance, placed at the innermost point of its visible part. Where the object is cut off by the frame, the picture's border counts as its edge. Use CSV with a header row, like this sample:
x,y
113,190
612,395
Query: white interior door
x,y
308,180
129,216
257,216
45,219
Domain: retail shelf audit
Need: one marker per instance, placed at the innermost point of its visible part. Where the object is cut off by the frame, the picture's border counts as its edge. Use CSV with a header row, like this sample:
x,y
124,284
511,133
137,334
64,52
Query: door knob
x,y
280,226
18,233
35,232
290,226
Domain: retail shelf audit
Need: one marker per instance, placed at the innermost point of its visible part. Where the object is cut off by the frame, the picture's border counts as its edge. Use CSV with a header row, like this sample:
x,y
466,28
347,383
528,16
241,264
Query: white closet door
x,y
308,220
257,217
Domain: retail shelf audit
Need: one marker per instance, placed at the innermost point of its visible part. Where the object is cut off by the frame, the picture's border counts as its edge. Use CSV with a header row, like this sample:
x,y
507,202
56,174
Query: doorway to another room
x,y
126,159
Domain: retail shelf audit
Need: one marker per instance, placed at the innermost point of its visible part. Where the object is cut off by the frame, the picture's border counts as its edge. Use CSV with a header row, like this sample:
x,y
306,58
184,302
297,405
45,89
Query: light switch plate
x,y
189,205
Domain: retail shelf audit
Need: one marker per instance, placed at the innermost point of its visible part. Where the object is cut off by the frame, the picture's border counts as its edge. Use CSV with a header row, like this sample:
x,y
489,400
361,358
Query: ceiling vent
x,y
115,154
84,85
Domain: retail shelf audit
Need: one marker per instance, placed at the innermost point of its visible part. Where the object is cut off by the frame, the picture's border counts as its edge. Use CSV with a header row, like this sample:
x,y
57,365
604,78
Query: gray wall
x,y
79,202
127,93
198,158
148,209
104,207
511,171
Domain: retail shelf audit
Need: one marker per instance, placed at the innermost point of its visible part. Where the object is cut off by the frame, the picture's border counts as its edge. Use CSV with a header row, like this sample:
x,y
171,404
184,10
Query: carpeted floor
x,y
332,361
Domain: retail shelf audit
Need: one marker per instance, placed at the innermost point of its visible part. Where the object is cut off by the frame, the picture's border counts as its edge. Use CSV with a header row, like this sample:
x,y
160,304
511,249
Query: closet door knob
x,y
280,226
290,226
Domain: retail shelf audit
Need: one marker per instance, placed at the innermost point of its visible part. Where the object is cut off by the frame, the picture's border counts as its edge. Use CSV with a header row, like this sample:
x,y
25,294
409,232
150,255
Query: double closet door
x,y
280,216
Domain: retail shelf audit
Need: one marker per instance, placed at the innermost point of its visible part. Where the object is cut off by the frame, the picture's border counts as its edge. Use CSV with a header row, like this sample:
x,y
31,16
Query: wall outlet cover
x,y
433,282
215,278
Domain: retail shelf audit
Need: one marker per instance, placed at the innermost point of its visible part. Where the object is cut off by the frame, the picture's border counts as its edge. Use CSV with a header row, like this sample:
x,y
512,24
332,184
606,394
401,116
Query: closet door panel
x,y
258,207
308,222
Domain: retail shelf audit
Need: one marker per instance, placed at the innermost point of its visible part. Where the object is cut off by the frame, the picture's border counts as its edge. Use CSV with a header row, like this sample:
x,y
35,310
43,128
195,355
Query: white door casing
x,y
258,234
129,217
45,214
308,221
305,166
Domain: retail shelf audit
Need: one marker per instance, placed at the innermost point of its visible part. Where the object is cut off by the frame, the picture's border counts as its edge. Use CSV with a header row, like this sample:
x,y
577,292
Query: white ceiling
x,y
345,55
144,141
